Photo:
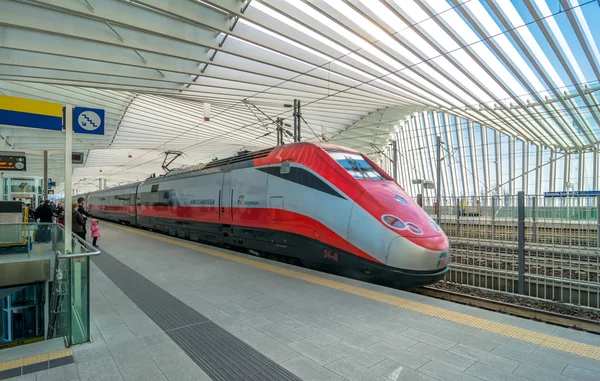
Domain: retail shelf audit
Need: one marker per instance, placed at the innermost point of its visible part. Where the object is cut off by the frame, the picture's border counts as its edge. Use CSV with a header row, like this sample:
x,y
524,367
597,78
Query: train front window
x,y
356,165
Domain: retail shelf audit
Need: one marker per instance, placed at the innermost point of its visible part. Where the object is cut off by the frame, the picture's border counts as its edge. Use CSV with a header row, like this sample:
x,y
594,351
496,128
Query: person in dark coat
x,y
83,212
44,215
78,225
60,214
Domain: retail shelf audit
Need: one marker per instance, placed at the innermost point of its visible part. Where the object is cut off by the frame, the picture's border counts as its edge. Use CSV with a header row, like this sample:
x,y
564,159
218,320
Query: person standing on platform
x,y
78,222
44,215
84,213
60,211
95,232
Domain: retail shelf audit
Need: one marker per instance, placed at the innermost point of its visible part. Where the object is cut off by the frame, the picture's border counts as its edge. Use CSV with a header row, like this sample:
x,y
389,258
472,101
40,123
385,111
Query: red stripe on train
x,y
262,218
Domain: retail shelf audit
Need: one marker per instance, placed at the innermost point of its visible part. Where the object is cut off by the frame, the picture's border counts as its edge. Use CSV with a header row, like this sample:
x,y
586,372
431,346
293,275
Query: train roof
x,y
238,160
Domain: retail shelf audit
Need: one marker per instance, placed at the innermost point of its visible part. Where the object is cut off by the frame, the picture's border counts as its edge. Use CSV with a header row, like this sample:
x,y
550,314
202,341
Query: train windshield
x,y
356,165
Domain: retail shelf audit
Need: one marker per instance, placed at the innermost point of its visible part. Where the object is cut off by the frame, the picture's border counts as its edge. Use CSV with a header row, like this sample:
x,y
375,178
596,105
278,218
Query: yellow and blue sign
x,y
88,120
32,113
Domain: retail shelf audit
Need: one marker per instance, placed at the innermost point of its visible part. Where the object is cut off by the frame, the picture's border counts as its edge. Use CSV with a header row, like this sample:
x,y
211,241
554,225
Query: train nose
x,y
419,254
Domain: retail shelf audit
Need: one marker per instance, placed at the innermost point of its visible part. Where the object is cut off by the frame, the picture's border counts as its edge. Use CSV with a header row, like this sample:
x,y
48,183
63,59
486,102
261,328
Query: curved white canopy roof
x,y
529,69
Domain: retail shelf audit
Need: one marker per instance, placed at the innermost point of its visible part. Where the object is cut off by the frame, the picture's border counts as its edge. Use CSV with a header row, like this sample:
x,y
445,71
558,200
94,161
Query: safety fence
x,y
530,245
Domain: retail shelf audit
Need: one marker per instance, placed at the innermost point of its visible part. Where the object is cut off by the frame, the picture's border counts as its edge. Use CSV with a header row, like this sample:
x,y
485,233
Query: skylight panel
x,y
358,41
489,25
516,22
564,46
376,32
480,49
286,20
586,30
286,40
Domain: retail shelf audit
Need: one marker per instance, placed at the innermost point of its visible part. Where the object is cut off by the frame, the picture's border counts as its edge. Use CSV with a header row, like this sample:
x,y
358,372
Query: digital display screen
x,y
77,157
12,163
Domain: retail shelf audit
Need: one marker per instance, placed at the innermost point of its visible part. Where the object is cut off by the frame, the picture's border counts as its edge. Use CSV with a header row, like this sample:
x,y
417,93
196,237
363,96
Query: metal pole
x,y
598,218
395,162
299,125
279,131
521,243
99,184
45,175
295,120
68,180
493,216
534,216
438,189
458,216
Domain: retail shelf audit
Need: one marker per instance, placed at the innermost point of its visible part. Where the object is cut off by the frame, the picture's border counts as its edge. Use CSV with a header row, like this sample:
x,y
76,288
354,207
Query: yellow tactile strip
x,y
35,359
565,345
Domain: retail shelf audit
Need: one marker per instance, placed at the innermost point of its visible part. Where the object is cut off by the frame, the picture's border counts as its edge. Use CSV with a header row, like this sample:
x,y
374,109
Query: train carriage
x,y
325,205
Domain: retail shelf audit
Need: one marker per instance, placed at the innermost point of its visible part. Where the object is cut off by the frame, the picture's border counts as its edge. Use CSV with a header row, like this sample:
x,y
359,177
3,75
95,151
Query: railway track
x,y
539,314
568,237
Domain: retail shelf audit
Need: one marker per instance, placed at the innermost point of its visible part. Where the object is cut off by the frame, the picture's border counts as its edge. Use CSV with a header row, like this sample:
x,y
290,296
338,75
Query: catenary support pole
x,y
297,117
438,185
99,184
45,185
521,239
279,131
295,120
598,218
68,180
299,124
395,160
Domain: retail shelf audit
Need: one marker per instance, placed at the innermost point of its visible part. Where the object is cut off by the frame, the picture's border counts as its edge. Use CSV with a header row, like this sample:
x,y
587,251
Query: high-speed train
x,y
328,206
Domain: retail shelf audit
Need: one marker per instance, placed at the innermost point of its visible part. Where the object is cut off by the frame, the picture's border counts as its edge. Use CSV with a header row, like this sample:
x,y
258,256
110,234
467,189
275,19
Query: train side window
x,y
154,188
285,167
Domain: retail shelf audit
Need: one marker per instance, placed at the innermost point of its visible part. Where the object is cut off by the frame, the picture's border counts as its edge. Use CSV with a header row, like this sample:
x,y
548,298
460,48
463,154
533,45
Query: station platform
x,y
170,309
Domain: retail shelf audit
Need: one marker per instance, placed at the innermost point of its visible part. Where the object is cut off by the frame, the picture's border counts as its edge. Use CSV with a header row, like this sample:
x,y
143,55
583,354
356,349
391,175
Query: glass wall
x,y
481,161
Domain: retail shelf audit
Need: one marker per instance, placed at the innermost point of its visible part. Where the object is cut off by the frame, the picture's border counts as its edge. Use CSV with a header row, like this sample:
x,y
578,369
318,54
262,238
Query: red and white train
x,y
325,205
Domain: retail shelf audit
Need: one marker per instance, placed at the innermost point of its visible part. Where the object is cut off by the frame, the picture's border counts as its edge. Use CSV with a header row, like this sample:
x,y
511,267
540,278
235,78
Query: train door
x,y
226,213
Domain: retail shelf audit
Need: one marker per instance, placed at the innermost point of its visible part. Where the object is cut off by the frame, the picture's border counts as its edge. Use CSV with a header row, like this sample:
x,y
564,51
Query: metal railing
x,y
531,245
69,305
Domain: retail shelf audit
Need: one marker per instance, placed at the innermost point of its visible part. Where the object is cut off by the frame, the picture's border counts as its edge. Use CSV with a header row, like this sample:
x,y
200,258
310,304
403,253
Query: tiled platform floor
x,y
316,332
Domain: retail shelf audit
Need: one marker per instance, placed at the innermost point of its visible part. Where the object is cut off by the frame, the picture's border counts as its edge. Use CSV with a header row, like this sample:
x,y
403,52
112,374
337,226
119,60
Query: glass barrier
x,y
69,273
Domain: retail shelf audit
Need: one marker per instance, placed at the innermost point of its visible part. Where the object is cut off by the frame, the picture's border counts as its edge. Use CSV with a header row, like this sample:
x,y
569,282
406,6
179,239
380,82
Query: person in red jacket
x,y
95,232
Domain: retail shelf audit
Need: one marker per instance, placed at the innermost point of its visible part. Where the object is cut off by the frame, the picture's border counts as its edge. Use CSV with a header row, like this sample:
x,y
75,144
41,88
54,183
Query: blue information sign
x,y
565,194
88,120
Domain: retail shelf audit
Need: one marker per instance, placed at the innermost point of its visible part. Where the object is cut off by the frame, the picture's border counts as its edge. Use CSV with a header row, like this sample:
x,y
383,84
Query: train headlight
x,y
414,228
393,221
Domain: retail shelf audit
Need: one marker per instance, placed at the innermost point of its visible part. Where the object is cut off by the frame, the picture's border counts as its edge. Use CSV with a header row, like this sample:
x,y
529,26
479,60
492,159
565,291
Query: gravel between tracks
x,y
556,307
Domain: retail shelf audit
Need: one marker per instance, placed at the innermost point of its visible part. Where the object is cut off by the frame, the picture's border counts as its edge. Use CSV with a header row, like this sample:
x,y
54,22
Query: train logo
x,y
442,260
241,200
